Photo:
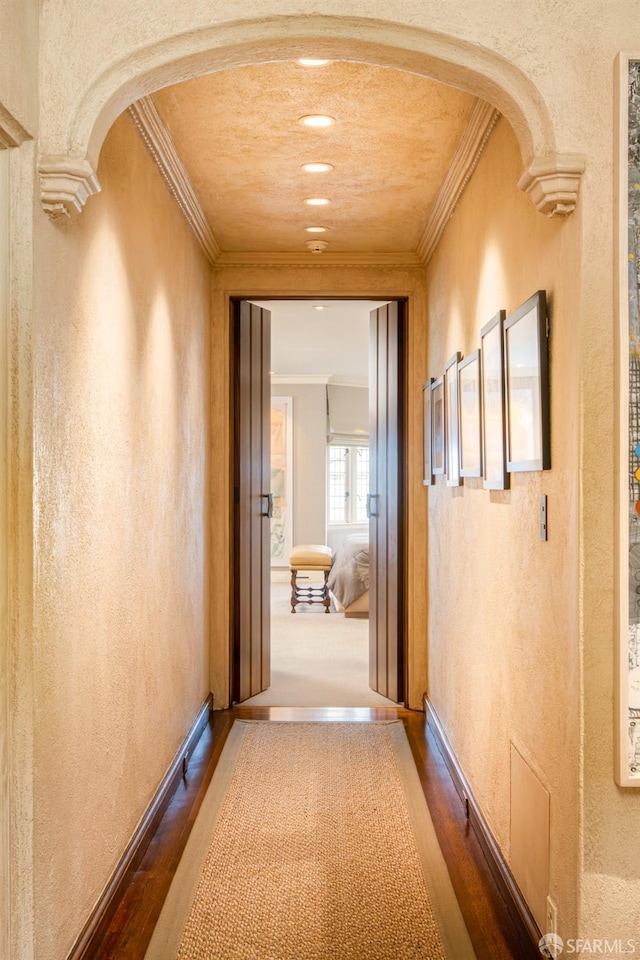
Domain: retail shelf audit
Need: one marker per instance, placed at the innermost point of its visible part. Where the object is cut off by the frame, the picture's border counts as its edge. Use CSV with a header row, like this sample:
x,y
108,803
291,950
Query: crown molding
x,y
320,378
309,378
553,183
245,259
482,120
66,183
160,145
360,382
12,133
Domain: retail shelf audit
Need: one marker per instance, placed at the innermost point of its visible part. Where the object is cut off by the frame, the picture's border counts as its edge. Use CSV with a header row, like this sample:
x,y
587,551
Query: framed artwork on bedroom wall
x,y
452,421
281,437
526,364
494,446
438,450
469,398
427,472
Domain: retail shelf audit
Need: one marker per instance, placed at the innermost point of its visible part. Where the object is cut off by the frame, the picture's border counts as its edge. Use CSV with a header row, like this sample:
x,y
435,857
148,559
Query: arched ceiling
x,y
238,135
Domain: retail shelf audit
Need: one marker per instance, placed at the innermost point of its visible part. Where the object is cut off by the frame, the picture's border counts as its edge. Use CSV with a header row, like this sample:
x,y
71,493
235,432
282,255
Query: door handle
x,y
269,498
370,497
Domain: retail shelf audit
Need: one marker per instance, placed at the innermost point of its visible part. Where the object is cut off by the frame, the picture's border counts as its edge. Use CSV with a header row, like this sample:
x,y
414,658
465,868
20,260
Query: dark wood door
x,y
386,641
251,645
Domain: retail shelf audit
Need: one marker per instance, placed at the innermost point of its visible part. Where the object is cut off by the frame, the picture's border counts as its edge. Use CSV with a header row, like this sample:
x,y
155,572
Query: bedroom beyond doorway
x,y
320,352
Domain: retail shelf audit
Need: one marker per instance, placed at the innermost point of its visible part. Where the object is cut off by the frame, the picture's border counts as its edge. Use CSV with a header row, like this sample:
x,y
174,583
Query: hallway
x,y
494,933
159,162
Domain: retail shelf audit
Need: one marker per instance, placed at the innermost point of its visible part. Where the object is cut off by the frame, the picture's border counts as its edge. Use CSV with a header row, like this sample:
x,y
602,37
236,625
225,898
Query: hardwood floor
x,y
494,934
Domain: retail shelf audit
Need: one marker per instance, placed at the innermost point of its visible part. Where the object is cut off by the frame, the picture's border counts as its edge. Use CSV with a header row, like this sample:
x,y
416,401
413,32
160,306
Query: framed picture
x,y
526,364
427,472
281,522
494,444
627,435
452,421
438,461
469,398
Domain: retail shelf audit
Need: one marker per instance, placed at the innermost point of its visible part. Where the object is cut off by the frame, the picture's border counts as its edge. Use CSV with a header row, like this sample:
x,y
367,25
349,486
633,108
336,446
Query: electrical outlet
x,y
552,917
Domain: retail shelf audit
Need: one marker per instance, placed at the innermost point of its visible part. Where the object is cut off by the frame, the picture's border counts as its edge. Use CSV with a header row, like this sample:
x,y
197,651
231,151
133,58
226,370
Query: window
x,y
348,484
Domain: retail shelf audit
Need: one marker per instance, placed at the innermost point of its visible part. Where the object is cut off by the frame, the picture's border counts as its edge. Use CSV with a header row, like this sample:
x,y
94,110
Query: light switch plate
x,y
543,516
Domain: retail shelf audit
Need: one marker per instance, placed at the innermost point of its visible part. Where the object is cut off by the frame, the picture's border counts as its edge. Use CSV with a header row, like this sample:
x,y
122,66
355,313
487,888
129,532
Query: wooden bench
x,y
310,556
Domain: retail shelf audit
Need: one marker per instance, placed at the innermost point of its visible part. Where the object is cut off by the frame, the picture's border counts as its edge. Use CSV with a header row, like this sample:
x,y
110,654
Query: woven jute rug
x,y
314,842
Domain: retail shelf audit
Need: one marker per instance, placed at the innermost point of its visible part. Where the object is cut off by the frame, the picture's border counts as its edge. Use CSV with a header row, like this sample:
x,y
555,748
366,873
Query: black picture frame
x,y
438,445
494,431
526,365
470,415
427,472
452,421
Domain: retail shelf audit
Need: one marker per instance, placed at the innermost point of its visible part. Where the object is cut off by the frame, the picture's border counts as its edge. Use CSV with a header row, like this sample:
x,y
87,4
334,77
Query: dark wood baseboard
x,y
516,904
102,914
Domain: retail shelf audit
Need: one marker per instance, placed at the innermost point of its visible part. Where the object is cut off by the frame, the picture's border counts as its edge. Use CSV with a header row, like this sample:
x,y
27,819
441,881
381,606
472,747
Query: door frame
x,y
370,277
402,432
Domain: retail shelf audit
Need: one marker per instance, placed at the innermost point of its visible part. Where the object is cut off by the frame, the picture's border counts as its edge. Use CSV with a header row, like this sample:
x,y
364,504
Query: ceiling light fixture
x,y
317,167
317,201
312,62
316,229
319,306
317,120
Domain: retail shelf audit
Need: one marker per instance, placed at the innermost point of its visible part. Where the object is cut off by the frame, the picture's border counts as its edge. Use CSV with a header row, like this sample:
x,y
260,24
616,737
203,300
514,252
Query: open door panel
x,y
386,640
252,500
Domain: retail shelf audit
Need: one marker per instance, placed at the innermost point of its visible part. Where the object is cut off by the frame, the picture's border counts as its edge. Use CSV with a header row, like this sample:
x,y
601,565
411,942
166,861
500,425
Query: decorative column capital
x,y
553,183
66,183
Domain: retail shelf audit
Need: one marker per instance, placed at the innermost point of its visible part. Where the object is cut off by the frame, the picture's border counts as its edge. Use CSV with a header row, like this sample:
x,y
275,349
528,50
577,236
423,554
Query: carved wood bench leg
x,y
326,599
294,591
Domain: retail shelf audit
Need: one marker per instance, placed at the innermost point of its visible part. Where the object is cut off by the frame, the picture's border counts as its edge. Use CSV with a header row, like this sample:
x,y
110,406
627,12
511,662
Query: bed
x,y
349,577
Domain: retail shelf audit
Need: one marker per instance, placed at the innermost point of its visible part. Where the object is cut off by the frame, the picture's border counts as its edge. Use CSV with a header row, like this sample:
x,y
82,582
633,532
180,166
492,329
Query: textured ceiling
x,y
238,135
332,342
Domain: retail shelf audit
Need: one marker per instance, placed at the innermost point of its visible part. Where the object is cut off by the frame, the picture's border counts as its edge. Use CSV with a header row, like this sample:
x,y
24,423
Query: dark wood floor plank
x,y
492,930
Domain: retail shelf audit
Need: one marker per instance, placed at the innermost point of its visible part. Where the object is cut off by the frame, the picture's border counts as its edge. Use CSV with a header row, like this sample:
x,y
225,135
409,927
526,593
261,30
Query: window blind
x,y
347,415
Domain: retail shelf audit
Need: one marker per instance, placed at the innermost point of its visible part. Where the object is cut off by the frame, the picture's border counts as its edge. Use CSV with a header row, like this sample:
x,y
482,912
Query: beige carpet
x,y
314,842
317,659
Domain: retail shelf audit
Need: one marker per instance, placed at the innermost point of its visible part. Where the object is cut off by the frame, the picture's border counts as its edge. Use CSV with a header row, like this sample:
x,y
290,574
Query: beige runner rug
x,y
314,842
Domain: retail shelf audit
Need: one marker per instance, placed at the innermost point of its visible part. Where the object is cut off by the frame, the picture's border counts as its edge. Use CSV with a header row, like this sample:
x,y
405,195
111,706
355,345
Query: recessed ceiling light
x,y
317,167
316,229
311,62
319,306
317,120
317,201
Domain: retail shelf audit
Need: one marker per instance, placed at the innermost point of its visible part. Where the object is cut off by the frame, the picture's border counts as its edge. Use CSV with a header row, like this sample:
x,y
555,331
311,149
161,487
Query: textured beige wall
x,y
503,606
359,282
309,459
121,492
19,61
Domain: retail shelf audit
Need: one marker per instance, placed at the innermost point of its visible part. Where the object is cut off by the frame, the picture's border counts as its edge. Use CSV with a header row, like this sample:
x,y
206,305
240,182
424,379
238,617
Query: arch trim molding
x,y
12,133
68,164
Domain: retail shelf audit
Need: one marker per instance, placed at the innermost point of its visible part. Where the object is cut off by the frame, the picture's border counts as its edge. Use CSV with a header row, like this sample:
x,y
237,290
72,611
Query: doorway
x,y
338,433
